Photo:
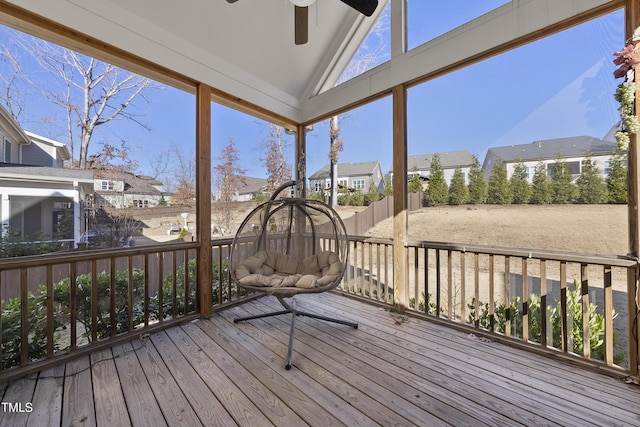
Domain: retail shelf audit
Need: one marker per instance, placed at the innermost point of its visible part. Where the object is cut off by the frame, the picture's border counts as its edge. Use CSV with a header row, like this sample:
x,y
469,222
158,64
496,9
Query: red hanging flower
x,y
627,58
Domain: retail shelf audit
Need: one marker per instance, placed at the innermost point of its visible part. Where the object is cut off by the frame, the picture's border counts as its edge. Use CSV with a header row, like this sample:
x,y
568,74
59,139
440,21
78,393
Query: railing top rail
x,y
89,255
540,254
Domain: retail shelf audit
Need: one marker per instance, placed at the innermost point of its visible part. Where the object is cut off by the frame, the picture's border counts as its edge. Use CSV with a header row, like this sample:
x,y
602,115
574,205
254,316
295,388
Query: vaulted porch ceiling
x,y
244,48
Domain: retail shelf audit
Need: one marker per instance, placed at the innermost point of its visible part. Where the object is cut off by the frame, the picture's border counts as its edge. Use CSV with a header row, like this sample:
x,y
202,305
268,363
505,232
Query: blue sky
x,y
556,87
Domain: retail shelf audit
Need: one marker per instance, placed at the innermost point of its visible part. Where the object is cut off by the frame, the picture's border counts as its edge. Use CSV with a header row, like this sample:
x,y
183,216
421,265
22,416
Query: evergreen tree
x,y
388,187
562,187
477,185
372,194
458,191
540,186
519,183
617,177
499,192
437,193
357,198
591,185
414,185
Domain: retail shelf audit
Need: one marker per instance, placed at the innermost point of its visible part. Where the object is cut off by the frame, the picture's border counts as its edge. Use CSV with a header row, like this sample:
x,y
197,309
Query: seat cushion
x,y
269,269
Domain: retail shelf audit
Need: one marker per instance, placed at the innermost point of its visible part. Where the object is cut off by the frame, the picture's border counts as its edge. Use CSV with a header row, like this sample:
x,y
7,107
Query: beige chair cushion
x,y
276,270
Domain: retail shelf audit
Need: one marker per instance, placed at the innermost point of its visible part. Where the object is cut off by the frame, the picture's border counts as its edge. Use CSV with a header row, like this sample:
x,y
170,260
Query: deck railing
x,y
553,300
117,294
536,298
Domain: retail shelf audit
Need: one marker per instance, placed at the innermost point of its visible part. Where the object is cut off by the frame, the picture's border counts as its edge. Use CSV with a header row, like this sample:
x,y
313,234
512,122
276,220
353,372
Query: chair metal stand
x,y
289,308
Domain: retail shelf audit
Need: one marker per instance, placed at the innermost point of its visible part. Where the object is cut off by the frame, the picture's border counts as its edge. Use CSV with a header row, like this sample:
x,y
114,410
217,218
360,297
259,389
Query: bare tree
x,y
227,177
11,77
90,92
335,147
365,59
278,170
184,186
113,158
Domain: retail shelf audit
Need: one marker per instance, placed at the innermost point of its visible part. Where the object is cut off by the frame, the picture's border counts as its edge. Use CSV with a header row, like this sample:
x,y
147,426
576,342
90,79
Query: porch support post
x,y
632,21
400,262
77,213
301,162
203,196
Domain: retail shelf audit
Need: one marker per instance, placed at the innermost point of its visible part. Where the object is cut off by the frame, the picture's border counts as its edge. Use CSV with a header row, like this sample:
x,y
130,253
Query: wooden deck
x,y
390,371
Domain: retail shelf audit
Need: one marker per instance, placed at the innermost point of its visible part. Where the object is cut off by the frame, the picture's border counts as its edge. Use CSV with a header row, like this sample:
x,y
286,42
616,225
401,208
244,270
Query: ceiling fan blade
x,y
366,7
231,1
301,24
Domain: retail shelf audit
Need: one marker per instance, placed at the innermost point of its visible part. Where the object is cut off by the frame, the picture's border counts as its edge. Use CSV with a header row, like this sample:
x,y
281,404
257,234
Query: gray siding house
x,y
421,164
351,177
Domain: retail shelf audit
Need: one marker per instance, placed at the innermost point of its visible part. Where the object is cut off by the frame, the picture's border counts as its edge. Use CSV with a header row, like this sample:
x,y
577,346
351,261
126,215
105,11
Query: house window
x,y
573,168
106,186
7,151
141,203
607,167
343,182
318,187
531,171
63,205
358,184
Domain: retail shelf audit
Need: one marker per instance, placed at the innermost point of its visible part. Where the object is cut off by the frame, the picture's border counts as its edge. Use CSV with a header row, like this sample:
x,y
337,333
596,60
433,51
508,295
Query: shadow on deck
x,y
393,370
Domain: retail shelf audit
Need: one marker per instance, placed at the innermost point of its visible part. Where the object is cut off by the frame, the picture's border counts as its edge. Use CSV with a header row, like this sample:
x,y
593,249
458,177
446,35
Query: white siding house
x,y
572,150
38,197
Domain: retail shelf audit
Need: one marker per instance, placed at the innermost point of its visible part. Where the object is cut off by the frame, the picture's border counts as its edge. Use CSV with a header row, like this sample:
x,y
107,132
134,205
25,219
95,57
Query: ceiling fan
x,y
301,15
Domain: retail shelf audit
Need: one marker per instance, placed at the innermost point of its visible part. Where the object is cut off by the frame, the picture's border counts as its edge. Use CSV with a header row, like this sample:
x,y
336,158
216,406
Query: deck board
x,y
166,391
110,406
78,405
48,394
18,393
392,370
136,388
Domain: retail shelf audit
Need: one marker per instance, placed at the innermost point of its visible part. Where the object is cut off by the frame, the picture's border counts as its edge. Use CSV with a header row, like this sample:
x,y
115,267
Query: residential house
x,y
421,165
572,150
351,177
249,188
39,198
117,189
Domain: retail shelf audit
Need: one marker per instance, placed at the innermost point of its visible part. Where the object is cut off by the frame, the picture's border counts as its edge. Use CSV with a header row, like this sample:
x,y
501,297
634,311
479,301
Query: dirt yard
x,y
598,229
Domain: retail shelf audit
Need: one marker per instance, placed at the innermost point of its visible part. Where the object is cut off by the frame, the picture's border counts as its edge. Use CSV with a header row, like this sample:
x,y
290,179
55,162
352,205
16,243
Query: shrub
x,y
433,308
372,194
11,328
105,323
574,311
37,307
357,198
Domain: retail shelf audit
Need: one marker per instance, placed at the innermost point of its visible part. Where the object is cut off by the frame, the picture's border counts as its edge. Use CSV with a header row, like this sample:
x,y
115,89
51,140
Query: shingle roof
x,y
44,173
346,169
576,146
251,185
449,159
134,184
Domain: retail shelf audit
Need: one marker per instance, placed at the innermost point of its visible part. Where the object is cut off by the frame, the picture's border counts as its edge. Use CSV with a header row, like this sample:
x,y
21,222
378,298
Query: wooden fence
x,y
361,222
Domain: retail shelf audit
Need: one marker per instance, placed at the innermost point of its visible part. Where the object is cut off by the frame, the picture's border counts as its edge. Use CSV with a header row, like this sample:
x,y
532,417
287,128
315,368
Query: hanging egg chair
x,y
290,246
